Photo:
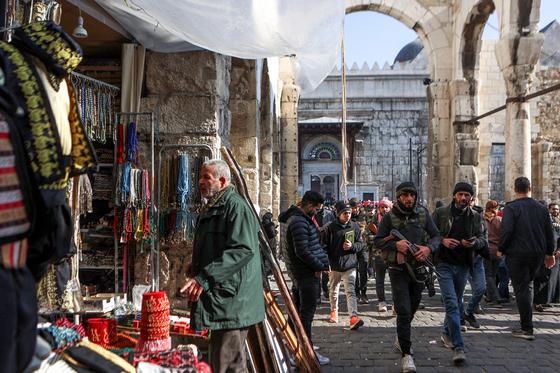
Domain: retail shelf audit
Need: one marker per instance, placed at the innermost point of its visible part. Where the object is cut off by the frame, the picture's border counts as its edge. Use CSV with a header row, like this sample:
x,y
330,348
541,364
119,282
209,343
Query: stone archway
x,y
465,100
433,30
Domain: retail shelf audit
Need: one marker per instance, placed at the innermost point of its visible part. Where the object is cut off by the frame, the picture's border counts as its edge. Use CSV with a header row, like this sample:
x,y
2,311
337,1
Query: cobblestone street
x,y
489,349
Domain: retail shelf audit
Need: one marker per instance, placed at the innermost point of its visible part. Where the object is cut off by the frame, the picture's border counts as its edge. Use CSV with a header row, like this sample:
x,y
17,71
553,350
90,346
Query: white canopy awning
x,y
309,29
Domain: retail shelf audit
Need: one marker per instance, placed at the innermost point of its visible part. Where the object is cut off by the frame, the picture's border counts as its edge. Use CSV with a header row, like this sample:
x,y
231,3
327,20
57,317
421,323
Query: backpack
x,y
390,256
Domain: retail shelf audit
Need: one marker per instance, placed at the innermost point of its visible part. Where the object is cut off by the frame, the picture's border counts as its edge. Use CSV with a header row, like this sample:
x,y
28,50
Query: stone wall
x,y
188,93
547,118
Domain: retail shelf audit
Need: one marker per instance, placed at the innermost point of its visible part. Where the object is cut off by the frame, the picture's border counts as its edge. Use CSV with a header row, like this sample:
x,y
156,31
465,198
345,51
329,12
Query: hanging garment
x,y
39,129
16,199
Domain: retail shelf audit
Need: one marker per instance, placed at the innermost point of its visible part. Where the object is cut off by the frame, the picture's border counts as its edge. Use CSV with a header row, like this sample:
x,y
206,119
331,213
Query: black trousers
x,y
491,266
18,319
553,283
380,271
407,294
306,293
522,271
362,276
227,351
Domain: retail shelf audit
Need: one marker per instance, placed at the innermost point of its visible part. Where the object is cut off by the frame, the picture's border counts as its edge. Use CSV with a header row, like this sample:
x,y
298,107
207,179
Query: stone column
x,y
440,148
265,144
466,144
289,145
517,56
245,131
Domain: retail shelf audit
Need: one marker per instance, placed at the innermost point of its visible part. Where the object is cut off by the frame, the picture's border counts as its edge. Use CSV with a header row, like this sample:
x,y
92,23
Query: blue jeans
x,y
477,280
452,280
503,277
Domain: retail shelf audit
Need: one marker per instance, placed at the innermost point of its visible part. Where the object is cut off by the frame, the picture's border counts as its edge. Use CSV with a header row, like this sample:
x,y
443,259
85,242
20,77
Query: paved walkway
x,y
489,349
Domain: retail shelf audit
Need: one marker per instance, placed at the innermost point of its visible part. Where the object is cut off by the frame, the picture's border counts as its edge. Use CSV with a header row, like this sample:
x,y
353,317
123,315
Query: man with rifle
x,y
464,234
406,269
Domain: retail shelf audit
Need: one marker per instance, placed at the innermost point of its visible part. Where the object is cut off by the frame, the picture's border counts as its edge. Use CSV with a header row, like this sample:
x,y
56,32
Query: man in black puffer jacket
x,y
343,240
304,257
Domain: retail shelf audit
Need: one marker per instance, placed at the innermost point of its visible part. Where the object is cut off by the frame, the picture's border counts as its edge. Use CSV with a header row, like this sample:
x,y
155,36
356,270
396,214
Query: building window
x,y
324,151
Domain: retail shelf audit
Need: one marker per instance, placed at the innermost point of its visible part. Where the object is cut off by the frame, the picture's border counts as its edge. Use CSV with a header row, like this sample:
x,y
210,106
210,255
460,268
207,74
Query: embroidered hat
x,y
154,323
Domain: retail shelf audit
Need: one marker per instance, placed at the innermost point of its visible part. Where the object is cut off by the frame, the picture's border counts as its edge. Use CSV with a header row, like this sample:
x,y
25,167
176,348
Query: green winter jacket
x,y
226,262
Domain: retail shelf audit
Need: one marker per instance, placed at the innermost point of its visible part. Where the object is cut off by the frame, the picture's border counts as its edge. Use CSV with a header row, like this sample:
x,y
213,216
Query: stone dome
x,y
410,51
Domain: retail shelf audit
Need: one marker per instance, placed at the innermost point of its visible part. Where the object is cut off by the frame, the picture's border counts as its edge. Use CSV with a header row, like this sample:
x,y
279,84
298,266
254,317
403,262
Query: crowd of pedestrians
x,y
458,243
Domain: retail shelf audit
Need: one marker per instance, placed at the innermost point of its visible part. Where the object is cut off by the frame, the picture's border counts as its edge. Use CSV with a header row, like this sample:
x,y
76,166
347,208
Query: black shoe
x,y
472,321
478,310
523,334
547,305
539,308
459,356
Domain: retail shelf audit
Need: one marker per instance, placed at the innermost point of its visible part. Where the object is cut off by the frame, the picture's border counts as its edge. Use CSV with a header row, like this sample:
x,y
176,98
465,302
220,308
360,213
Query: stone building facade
x,y
391,105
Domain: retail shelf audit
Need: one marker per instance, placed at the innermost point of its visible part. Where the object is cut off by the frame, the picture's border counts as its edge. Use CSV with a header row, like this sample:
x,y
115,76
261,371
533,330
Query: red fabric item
x,y
154,323
102,331
120,143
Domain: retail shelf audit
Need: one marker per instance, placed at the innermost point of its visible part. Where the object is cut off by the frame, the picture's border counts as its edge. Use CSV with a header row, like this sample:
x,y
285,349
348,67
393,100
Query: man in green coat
x,y
224,280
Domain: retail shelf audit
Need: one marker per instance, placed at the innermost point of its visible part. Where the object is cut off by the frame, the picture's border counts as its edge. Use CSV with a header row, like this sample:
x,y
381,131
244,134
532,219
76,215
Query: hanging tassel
x,y
132,143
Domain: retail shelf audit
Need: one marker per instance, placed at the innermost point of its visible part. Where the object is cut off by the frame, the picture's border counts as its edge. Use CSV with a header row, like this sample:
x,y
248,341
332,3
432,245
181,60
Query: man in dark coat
x,y
527,241
225,280
305,258
404,267
464,234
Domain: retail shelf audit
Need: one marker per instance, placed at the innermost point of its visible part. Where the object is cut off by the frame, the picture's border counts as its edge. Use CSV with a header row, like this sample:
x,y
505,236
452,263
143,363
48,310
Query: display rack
x,y
155,259
122,118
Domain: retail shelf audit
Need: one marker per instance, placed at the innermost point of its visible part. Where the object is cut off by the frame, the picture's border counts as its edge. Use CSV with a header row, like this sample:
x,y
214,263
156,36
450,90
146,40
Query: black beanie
x,y
407,186
341,207
463,187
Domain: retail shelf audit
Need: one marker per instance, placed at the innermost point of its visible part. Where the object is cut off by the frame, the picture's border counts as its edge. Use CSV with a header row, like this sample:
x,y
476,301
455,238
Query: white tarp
x,y
310,29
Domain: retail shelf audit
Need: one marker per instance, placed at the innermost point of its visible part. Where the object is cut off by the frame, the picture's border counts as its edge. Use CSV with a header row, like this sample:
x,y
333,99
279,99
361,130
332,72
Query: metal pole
x,y
343,189
410,158
393,174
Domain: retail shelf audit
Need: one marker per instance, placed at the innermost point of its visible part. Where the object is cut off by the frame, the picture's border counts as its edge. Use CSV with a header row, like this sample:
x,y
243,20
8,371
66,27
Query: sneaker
x,y
397,346
355,322
382,307
316,348
333,317
447,343
459,356
520,333
472,321
407,363
463,325
539,308
363,299
478,310
323,360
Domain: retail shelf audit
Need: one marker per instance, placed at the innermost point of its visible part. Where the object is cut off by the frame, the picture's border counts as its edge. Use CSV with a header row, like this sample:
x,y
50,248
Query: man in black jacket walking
x,y
343,240
305,258
526,239
463,233
405,268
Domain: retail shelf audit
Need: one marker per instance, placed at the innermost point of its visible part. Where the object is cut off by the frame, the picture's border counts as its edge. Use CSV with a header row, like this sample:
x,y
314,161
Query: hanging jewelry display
x,y
96,105
134,210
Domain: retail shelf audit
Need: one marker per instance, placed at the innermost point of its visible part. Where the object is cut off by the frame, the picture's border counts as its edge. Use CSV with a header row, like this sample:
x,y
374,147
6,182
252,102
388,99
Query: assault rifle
x,y
413,249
